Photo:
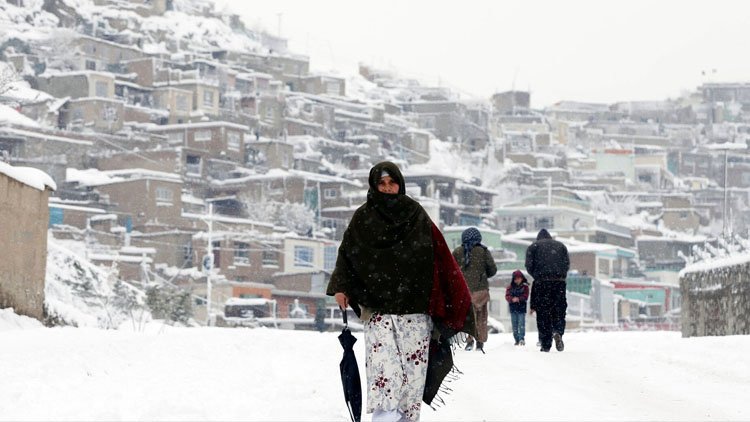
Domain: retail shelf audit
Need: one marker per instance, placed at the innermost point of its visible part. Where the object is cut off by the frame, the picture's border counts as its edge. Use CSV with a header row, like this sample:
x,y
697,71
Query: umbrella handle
x,y
343,314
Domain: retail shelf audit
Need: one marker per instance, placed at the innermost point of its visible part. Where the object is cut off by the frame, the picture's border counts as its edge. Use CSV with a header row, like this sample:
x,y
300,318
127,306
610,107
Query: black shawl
x,y
385,261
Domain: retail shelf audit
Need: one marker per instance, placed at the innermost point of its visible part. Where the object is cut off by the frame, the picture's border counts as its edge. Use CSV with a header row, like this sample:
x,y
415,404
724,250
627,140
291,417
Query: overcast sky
x,y
599,51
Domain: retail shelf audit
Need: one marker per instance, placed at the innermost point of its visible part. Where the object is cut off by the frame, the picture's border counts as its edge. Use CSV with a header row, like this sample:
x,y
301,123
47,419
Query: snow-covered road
x,y
170,373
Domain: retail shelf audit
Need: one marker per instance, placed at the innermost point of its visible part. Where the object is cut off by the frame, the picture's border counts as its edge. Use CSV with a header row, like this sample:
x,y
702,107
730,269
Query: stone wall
x,y
716,301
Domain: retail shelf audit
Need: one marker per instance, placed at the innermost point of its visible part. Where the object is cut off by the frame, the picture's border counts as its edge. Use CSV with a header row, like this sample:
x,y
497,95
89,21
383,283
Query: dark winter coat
x,y
481,267
547,259
521,291
386,258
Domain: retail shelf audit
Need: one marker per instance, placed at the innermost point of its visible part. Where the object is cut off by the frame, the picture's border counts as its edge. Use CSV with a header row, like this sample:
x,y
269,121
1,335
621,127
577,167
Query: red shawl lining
x,y
450,300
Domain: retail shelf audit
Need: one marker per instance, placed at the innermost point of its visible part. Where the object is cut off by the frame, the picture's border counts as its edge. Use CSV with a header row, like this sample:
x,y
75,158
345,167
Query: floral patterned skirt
x,y
397,347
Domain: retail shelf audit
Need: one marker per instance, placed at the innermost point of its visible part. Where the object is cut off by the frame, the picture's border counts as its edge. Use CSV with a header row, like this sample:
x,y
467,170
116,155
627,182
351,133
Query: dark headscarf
x,y
386,257
470,238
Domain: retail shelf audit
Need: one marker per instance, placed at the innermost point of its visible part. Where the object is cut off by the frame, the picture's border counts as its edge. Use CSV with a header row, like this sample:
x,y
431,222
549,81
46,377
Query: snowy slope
x,y
168,373
194,22
12,321
81,294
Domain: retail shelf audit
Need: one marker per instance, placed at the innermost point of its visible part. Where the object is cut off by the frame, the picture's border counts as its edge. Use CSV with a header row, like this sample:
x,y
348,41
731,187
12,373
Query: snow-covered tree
x,y
170,303
295,217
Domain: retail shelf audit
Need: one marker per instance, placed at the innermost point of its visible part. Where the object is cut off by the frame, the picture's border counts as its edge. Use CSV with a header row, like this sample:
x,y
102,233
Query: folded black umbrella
x,y
350,373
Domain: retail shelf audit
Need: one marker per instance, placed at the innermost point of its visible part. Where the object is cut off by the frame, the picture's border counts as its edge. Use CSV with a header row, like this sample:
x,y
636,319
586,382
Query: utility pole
x,y
210,255
726,161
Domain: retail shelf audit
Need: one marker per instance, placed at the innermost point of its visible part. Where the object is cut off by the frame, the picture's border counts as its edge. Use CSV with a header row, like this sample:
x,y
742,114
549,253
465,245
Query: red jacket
x,y
521,291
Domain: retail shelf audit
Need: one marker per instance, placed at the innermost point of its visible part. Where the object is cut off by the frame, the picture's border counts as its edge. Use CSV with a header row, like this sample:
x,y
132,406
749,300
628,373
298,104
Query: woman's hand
x,y
342,299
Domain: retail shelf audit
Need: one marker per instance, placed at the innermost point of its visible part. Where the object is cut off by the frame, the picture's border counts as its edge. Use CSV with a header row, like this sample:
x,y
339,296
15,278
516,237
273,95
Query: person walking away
x,y
517,293
547,261
391,262
477,265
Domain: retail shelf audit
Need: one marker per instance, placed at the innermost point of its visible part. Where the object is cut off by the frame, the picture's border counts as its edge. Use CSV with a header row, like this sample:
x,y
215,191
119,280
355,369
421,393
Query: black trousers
x,y
551,305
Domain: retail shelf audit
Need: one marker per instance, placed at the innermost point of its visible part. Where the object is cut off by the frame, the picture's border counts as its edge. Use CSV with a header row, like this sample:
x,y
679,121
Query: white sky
x,y
584,50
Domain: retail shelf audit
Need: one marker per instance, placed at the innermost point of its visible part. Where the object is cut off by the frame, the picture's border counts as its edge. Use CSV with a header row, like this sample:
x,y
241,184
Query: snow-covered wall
x,y
716,297
24,215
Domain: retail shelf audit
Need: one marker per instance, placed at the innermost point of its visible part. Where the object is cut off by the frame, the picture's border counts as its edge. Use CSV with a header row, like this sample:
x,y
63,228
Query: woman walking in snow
x,y
395,270
477,265
517,293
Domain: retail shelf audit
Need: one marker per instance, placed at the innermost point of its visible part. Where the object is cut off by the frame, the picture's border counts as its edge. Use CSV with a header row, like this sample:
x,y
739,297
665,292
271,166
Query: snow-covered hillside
x,y
167,373
81,294
192,22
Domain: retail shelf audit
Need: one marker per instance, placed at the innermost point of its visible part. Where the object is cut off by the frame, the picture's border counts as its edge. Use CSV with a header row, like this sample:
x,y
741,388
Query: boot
x,y
559,345
469,345
480,346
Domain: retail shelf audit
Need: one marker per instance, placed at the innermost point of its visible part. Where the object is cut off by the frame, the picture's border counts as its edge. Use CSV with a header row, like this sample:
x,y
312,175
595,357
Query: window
x,y
269,113
193,164
420,144
544,223
303,256
90,65
603,266
181,103
329,260
271,258
329,223
216,249
102,89
208,98
333,88
109,114
241,253
202,135
175,137
164,195
521,224
233,141
187,254
330,193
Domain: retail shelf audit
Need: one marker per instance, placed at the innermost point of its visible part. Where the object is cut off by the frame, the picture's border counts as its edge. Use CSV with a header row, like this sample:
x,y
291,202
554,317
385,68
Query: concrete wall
x,y
584,262
23,240
106,115
166,160
179,102
139,198
716,302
